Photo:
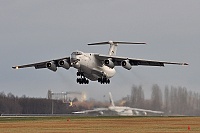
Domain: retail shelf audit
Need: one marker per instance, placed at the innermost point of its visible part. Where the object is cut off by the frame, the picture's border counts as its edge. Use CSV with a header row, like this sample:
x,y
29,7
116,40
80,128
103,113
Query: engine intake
x,y
51,66
125,64
64,64
109,63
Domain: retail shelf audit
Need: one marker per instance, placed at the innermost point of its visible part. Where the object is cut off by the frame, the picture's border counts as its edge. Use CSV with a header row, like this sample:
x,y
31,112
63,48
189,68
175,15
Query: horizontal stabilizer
x,y
113,45
116,42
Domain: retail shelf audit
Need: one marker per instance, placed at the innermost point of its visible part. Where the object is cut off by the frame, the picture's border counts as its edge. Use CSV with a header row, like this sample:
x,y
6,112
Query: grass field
x,y
76,124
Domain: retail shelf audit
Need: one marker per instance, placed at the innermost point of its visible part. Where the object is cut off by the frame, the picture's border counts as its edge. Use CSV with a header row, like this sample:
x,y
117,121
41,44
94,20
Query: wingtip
x,y
186,64
15,67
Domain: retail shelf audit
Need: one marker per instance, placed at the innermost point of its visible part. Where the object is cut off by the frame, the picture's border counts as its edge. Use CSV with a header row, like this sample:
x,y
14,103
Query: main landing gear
x,y
82,79
104,80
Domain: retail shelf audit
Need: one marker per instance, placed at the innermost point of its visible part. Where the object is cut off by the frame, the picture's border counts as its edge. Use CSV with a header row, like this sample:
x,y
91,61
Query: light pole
x,y
52,106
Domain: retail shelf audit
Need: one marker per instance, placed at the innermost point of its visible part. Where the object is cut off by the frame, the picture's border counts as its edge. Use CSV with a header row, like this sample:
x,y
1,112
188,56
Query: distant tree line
x,y
173,100
10,104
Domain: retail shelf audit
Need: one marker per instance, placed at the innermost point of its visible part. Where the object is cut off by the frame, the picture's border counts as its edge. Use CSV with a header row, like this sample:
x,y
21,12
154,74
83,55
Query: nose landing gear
x,y
82,79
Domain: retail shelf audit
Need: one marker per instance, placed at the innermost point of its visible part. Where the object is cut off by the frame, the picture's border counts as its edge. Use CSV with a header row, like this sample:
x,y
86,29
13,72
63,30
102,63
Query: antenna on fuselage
x,y
114,44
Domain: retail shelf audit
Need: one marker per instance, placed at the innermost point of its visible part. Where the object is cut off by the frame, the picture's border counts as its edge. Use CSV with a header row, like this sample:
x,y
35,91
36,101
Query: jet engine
x,y
64,64
51,66
144,113
136,112
109,63
100,112
126,64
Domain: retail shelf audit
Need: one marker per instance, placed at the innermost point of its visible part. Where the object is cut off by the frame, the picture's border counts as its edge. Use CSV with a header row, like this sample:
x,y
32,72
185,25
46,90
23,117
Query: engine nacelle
x,y
126,64
144,113
64,64
109,63
51,66
136,112
100,112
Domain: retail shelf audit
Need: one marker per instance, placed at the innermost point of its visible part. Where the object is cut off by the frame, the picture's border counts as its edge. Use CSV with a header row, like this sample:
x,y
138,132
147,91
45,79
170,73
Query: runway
x,y
101,124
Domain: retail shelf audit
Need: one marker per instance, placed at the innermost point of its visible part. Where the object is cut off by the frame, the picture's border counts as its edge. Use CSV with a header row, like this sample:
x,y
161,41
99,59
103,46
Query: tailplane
x,y
114,44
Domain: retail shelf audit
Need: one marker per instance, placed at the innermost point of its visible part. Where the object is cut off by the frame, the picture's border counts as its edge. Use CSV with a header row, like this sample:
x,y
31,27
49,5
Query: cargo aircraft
x,y
94,66
120,110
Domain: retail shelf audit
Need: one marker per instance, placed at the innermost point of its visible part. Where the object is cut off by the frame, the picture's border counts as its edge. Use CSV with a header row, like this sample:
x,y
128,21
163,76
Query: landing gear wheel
x,y
104,80
78,73
82,79
108,81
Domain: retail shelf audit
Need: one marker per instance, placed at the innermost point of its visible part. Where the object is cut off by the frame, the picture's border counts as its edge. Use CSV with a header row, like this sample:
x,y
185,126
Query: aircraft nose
x,y
74,59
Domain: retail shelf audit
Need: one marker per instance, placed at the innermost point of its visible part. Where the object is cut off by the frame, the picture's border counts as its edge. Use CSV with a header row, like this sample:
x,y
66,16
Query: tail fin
x,y
113,45
111,100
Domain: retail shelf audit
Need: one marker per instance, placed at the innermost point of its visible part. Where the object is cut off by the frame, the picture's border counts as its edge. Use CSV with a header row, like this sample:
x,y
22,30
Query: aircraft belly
x,y
93,69
87,67
99,72
109,72
126,113
87,72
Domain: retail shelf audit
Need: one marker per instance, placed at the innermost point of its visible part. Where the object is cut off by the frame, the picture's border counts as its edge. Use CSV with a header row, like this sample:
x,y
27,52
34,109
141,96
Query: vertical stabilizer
x,y
111,100
113,48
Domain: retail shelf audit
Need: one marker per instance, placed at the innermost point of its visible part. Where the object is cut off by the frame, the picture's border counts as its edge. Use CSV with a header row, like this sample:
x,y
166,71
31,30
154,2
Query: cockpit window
x,y
77,53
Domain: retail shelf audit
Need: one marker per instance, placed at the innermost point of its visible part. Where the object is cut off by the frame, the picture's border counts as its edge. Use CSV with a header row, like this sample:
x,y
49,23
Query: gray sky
x,y
35,30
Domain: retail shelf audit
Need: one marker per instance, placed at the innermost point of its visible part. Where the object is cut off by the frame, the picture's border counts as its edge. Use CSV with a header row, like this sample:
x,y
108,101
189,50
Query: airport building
x,y
67,96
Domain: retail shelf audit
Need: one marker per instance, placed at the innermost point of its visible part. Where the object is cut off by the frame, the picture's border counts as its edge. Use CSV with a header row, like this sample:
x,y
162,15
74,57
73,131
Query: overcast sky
x,y
39,30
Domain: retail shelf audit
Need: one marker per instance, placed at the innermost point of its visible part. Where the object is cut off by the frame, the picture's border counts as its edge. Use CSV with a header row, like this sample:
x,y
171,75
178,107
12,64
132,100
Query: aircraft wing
x,y
90,111
135,62
43,64
148,111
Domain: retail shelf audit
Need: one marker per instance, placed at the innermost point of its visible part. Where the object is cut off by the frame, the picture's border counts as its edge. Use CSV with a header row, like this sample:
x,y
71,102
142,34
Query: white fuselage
x,y
123,111
90,66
